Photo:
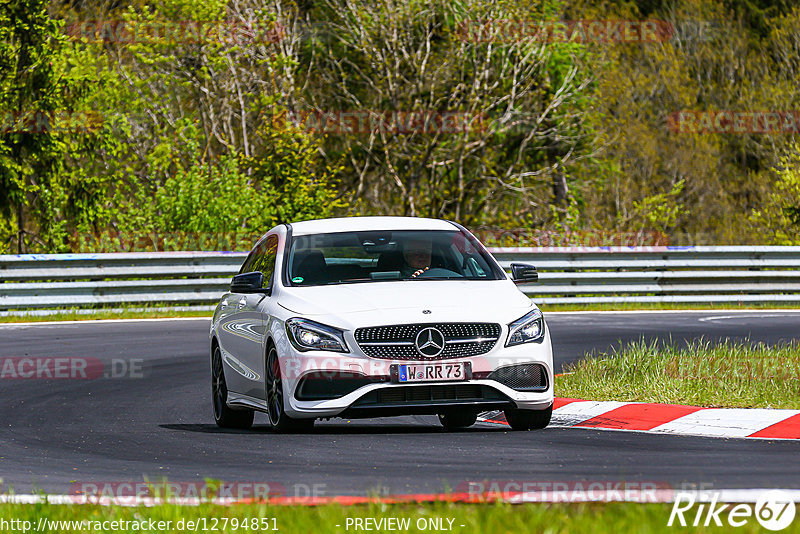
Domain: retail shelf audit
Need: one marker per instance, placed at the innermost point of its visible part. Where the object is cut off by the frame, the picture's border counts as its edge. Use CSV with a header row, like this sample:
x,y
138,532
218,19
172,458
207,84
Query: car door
x,y
227,332
242,326
254,321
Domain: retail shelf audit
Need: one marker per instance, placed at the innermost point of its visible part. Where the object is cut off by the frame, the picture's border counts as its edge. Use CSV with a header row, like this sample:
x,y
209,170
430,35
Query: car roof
x,y
360,224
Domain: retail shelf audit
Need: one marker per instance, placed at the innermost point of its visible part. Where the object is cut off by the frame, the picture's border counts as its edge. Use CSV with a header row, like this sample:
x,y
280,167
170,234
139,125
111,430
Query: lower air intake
x,y
527,377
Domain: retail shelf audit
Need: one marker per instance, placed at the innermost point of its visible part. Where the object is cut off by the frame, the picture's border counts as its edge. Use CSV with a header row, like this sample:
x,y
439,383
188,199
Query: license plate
x,y
432,372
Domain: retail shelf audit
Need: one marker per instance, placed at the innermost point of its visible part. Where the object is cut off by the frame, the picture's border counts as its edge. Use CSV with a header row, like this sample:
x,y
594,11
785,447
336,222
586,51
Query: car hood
x,y
494,300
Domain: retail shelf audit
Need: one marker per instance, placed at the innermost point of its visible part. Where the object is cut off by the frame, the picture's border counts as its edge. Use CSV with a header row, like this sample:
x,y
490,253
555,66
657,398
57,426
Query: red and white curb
x,y
672,419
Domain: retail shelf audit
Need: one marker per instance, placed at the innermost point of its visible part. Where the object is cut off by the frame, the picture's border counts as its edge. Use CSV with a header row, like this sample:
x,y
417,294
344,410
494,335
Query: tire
x,y
528,419
457,420
274,394
225,416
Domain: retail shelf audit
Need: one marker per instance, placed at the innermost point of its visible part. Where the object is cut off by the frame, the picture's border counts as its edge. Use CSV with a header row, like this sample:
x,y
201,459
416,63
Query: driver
x,y
417,256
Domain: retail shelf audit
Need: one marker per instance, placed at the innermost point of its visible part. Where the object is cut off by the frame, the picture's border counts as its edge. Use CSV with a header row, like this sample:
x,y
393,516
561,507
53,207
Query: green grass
x,y
74,315
592,518
730,375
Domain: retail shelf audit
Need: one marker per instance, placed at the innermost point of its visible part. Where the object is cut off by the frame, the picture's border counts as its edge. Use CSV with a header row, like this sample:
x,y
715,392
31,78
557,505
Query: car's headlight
x,y
526,329
308,335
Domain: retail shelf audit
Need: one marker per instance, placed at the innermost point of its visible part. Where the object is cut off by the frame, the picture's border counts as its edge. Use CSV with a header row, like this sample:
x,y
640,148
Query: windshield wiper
x,y
434,278
358,281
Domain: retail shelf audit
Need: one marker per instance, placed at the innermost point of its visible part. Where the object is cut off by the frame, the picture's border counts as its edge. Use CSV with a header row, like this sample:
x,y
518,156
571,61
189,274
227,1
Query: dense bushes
x,y
180,130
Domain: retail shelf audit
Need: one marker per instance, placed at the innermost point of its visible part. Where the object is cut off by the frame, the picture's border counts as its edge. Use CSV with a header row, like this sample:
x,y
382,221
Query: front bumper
x,y
379,396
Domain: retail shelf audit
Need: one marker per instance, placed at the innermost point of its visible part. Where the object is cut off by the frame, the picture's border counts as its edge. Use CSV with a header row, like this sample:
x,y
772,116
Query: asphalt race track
x,y
54,432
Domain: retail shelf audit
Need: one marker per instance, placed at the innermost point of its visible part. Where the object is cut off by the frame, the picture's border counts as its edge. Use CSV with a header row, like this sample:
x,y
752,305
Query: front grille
x,y
427,399
325,385
527,377
402,395
396,342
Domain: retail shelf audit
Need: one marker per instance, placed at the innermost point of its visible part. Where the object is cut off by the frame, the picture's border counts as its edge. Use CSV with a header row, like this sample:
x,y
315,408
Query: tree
x,y
722,65
519,98
38,102
781,213
189,142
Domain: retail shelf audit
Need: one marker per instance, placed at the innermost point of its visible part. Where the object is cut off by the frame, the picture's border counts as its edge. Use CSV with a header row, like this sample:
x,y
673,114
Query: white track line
x,y
587,312
656,312
95,321
662,495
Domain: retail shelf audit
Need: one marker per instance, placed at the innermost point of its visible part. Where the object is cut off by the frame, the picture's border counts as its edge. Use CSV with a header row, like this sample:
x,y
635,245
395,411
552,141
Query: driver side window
x,y
265,257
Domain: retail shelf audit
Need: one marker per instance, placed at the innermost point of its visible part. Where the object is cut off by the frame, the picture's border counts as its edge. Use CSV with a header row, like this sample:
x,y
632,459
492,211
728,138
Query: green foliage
x,y
185,148
40,94
206,198
660,211
572,137
721,64
781,214
465,57
302,183
221,197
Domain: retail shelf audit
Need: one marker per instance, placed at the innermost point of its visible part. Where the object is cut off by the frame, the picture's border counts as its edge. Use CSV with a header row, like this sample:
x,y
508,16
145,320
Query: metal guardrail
x,y
78,280
566,275
690,274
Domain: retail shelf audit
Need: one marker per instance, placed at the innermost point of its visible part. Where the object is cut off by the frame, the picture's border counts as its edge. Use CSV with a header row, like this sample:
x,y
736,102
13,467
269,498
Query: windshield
x,y
352,257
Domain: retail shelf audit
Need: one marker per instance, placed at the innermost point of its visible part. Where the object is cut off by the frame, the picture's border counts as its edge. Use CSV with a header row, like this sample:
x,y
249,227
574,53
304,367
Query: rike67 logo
x,y
774,510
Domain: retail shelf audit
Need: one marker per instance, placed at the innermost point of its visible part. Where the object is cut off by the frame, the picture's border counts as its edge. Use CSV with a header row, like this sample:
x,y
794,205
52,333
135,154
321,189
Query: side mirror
x,y
522,273
248,283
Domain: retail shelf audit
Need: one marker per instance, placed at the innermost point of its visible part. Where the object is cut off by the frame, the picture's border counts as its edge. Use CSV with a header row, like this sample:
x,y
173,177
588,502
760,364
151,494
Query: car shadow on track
x,y
332,429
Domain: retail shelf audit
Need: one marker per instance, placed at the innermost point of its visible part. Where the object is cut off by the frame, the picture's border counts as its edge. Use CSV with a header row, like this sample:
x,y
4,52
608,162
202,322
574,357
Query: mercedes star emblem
x,y
430,342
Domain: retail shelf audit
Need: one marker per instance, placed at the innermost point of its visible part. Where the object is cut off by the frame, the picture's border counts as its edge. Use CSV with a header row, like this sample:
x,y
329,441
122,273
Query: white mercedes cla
x,y
378,316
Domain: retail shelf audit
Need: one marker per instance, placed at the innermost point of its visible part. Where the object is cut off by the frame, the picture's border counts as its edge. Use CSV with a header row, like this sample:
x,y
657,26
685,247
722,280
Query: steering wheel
x,y
438,272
